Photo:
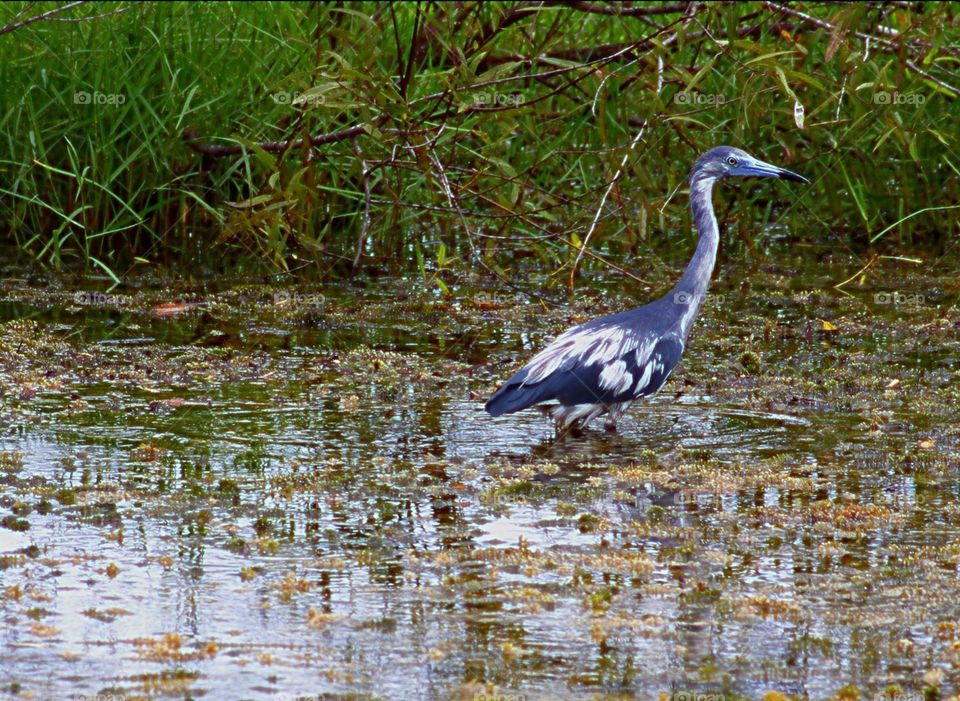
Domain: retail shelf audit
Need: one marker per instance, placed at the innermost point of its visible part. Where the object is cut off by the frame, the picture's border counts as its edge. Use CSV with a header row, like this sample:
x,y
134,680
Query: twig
x,y
515,14
27,6
87,18
873,259
823,24
559,237
584,54
886,43
645,43
451,198
689,13
411,55
365,222
603,201
919,71
39,18
218,150
620,10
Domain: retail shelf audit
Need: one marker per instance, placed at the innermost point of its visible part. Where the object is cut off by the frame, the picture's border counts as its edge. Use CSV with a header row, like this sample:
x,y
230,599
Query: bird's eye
x,y
732,160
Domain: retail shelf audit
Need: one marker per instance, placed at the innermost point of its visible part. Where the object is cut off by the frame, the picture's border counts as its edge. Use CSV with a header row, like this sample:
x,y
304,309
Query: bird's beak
x,y
760,169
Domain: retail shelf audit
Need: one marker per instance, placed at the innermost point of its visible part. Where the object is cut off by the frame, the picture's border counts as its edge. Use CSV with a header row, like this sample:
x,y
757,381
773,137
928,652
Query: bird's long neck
x,y
692,287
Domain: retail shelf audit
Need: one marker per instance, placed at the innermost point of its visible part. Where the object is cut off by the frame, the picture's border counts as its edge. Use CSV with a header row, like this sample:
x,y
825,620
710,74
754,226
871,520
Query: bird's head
x,y
727,161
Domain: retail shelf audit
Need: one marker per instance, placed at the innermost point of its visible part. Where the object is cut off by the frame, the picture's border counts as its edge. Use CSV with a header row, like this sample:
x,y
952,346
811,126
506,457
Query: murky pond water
x,y
268,493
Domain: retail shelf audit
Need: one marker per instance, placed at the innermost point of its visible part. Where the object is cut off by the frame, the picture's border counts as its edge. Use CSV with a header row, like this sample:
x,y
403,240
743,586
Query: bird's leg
x,y
562,429
614,414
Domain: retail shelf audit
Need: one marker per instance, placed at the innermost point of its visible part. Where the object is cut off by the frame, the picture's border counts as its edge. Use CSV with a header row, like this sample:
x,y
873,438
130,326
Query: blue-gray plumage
x,y
603,366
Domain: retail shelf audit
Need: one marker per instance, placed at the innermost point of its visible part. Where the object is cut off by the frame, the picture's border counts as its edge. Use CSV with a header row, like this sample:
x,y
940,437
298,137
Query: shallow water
x,y
268,494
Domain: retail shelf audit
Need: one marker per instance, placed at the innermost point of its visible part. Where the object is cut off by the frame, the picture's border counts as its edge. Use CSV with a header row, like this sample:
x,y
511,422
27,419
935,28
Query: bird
x,y
601,367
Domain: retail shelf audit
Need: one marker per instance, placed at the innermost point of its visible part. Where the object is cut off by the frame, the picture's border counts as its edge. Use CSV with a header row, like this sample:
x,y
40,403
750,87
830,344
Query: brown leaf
x,y
835,40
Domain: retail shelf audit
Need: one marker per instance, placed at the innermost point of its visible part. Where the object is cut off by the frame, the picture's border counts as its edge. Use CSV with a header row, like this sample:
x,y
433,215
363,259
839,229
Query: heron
x,y
603,366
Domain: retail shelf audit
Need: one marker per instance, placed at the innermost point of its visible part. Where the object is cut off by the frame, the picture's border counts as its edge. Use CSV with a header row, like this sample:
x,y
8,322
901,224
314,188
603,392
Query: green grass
x,y
490,138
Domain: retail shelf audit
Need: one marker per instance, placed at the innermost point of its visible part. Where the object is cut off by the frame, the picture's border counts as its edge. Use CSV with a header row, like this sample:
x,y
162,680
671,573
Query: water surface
x,y
254,491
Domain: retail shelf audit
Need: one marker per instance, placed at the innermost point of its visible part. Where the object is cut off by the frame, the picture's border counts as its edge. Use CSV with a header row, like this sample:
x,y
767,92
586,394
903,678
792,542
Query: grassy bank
x,y
377,136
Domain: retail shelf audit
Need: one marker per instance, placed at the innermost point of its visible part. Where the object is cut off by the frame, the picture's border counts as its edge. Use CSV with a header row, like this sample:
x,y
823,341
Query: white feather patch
x,y
644,379
584,347
615,377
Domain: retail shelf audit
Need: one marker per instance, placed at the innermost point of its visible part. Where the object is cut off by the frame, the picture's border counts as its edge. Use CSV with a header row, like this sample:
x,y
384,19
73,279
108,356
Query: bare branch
x,y
87,18
365,222
39,18
51,16
893,46
924,74
603,201
217,150
621,10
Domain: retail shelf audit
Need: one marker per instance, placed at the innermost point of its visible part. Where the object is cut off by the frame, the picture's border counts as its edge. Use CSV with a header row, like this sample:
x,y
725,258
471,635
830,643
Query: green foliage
x,y
444,136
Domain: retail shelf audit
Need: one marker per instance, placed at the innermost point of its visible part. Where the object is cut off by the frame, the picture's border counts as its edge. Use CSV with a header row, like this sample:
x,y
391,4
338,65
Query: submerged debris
x,y
248,491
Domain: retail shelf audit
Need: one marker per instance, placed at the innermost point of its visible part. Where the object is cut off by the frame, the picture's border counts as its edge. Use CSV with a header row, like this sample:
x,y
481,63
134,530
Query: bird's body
x,y
603,366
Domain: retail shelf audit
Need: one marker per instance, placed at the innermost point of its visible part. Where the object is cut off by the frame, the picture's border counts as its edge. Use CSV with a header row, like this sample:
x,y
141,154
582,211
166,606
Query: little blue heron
x,y
603,366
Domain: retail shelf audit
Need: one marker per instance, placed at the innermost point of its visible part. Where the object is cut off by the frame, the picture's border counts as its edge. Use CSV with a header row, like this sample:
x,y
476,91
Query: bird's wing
x,y
639,373
588,345
592,363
